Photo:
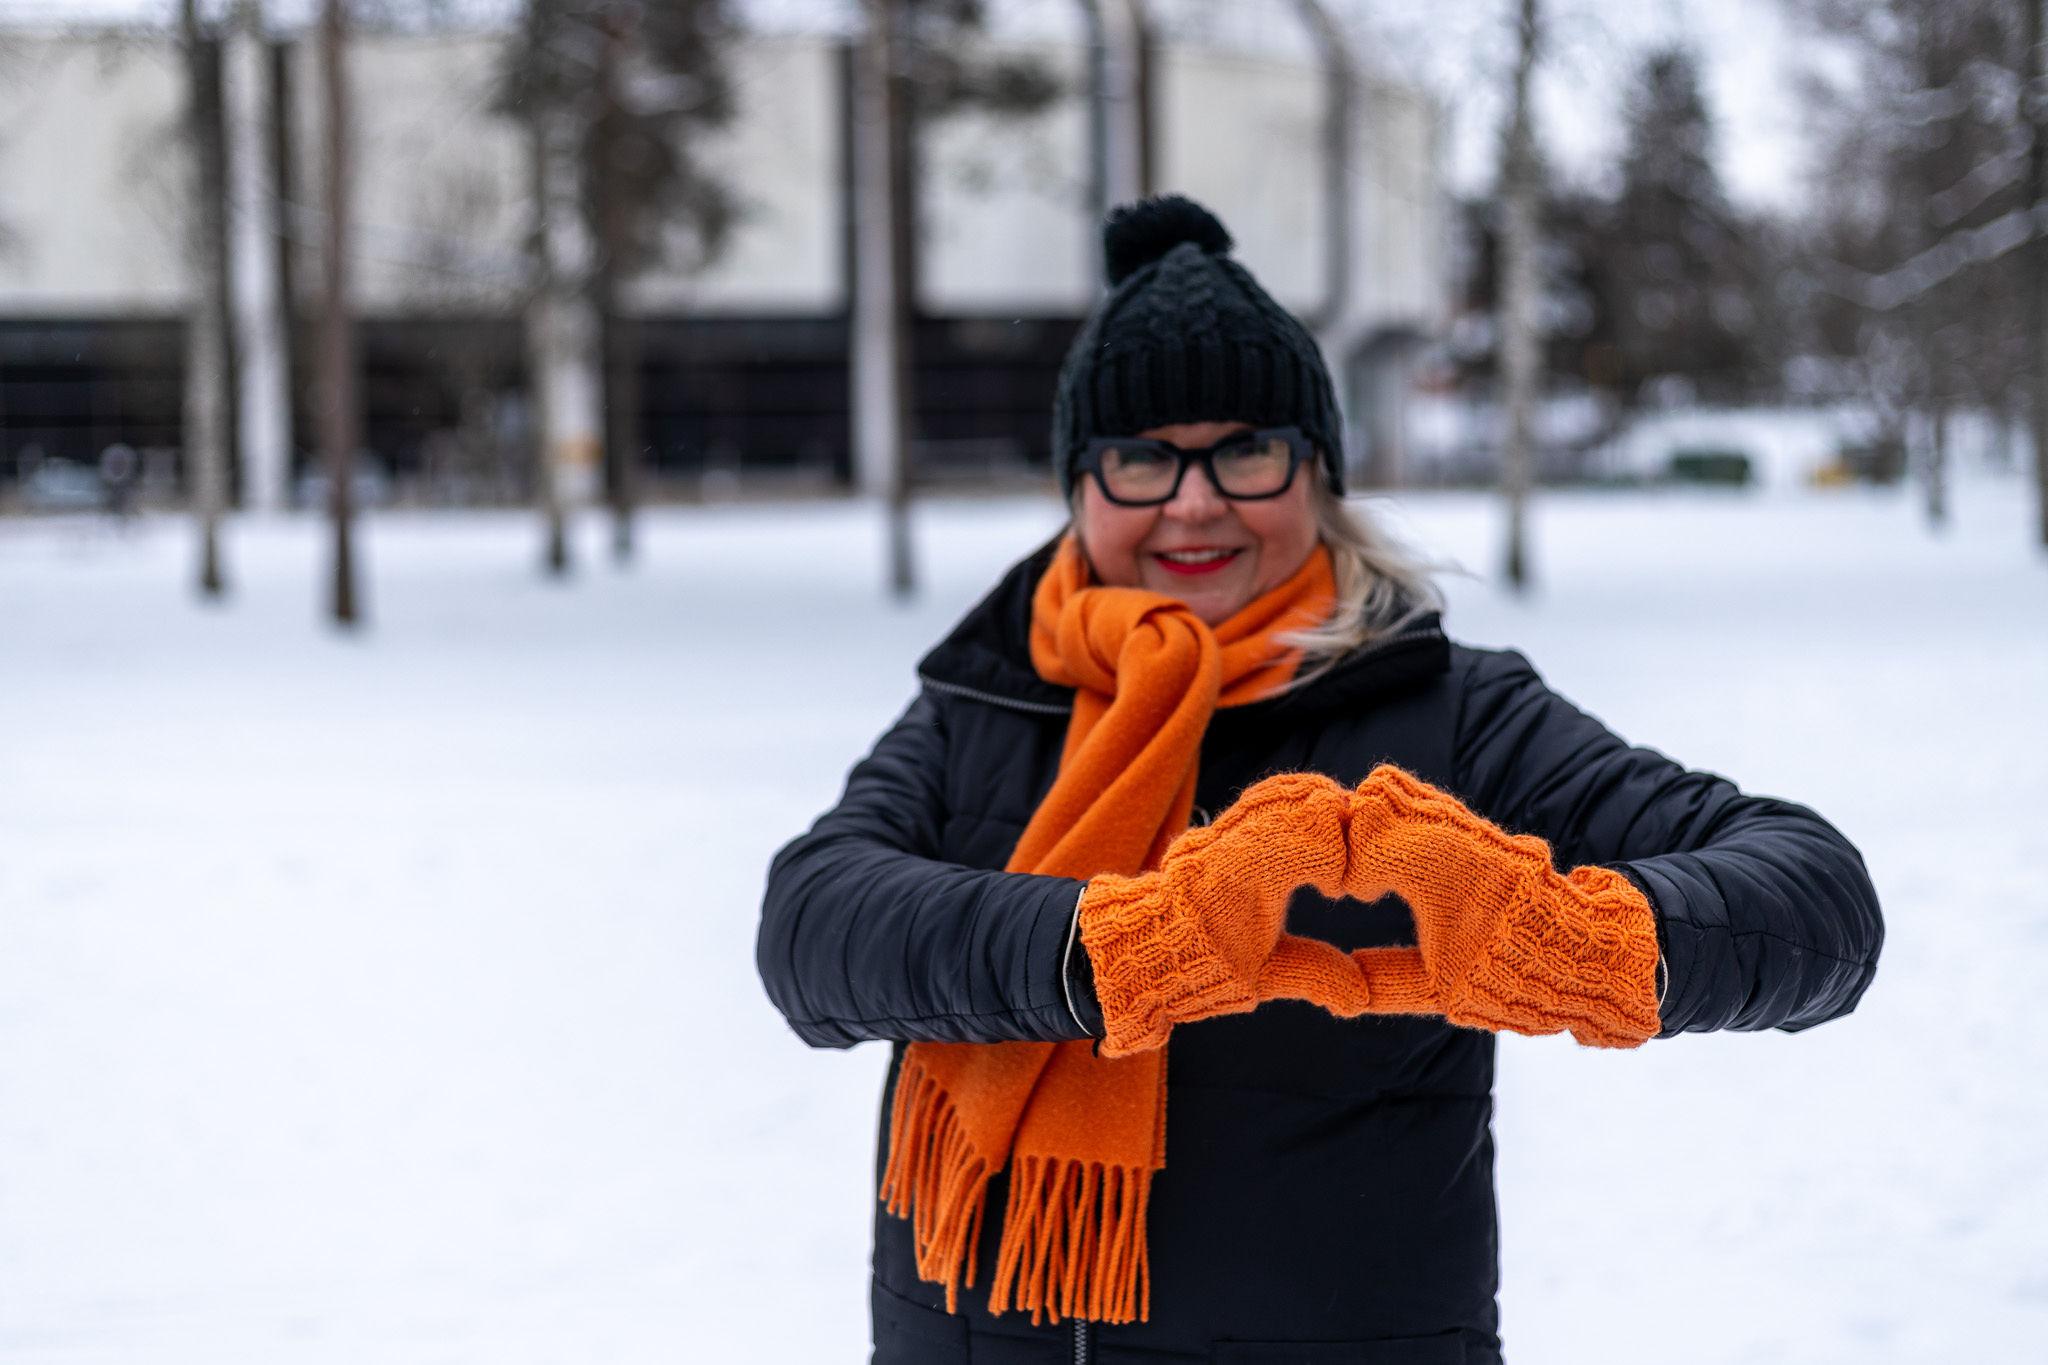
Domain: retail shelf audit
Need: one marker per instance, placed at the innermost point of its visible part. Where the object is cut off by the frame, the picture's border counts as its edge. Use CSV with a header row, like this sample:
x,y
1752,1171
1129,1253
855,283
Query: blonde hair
x,y
1383,585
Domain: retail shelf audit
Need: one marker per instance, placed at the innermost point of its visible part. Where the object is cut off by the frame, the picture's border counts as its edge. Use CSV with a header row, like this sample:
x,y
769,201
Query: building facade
x,y
744,369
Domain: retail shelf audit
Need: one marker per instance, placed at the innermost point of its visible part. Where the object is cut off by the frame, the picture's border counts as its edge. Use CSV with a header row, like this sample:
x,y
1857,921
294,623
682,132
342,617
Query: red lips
x,y
1206,566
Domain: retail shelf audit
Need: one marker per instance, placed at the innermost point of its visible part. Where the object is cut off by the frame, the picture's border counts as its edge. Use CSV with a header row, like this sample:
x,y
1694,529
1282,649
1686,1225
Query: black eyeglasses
x,y
1135,471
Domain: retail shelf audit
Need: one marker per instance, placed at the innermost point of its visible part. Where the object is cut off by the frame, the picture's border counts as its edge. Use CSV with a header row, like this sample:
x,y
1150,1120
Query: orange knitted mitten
x,y
1504,940
1203,934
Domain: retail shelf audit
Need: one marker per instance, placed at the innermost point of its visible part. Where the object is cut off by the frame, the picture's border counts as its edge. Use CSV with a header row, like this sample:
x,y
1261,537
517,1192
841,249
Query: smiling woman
x,y
1178,1090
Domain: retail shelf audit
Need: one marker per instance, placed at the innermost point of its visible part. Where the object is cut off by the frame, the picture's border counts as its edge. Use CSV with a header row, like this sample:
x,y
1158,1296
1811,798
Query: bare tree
x,y
338,418
1521,349
1120,116
562,331
1339,157
2036,279
263,434
882,281
916,64
206,376
1932,232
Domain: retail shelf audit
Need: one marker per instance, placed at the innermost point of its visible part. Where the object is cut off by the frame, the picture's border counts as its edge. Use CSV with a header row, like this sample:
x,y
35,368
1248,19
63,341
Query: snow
x,y
1787,447
392,998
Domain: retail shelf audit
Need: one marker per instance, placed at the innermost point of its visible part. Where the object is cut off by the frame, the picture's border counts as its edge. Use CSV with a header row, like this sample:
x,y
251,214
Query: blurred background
x,y
473,476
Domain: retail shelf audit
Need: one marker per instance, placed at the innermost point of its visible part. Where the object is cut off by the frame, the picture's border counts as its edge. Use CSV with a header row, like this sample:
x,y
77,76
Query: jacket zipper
x,y
1046,708
1040,708
1081,1352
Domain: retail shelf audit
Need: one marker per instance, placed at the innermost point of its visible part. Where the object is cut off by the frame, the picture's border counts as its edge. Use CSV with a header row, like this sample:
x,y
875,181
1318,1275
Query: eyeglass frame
x,y
1299,451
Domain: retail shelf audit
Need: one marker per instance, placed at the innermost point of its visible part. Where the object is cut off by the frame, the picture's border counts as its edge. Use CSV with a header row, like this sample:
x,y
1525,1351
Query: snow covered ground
x,y
392,998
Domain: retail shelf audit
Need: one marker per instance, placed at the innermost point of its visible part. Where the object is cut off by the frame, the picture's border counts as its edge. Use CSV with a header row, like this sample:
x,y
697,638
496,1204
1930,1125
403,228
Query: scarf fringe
x,y
936,1178
1074,1241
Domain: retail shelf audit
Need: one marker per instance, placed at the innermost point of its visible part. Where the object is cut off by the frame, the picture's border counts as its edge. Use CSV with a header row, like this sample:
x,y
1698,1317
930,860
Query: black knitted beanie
x,y
1185,334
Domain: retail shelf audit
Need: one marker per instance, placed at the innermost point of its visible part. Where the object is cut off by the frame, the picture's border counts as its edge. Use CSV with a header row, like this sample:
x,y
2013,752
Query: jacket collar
x,y
988,656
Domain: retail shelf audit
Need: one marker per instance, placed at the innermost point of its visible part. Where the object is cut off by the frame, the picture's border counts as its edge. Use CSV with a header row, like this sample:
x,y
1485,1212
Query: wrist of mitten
x,y
1077,977
1573,951
1154,964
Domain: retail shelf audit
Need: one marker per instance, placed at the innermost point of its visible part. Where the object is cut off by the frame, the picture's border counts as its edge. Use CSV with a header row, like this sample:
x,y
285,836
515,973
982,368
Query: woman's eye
x,y
1137,457
1268,448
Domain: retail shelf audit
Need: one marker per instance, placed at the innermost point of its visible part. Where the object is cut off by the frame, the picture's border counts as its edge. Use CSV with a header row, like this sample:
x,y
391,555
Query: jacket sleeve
x,y
866,933
1765,913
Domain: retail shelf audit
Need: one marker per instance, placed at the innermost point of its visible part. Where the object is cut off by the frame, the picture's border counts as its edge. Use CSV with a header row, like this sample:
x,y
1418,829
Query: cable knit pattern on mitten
x,y
1154,965
1505,940
1203,934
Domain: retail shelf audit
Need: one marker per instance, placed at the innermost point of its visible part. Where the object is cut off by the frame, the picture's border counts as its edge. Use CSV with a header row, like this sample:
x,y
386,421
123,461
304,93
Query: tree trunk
x,y
1928,316
2037,264
555,540
1338,119
904,187
1100,96
1520,352
1934,467
1145,76
1330,320
206,380
564,334
623,442
263,379
881,315
338,420
1123,97
620,337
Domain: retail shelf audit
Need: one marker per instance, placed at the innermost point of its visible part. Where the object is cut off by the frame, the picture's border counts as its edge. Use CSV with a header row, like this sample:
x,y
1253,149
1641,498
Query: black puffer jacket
x,y
1327,1181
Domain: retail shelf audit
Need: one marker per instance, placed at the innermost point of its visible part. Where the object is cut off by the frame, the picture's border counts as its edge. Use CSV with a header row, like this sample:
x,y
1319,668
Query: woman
x,y
1172,1089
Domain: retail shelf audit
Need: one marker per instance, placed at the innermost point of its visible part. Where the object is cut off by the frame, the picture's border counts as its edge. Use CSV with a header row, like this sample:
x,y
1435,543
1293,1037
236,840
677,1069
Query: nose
x,y
1197,499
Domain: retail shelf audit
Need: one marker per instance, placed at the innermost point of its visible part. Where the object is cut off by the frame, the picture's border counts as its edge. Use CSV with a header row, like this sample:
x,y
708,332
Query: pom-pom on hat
x,y
1186,335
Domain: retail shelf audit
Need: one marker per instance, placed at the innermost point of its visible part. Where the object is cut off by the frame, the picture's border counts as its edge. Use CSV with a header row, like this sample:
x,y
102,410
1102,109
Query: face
x,y
1172,548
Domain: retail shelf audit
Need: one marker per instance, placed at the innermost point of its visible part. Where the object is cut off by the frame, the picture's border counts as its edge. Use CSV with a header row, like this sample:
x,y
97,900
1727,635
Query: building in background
x,y
745,368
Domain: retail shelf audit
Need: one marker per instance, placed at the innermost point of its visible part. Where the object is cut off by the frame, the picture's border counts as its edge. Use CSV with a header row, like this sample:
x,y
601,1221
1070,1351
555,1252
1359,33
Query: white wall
x,y
1402,257
783,153
91,168
439,189
92,171
1007,215
1242,134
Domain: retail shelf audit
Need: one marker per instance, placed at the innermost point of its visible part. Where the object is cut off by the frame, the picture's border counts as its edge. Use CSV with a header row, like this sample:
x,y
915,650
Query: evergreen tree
x,y
1678,262
624,91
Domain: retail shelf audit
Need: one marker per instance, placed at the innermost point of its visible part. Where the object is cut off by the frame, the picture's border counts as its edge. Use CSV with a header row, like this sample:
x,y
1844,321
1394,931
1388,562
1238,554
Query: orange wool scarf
x,y
1081,1134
